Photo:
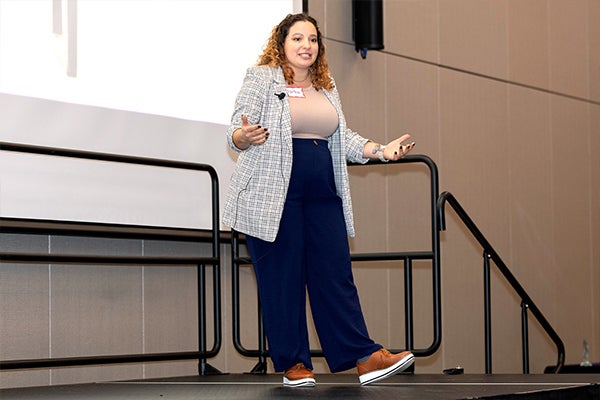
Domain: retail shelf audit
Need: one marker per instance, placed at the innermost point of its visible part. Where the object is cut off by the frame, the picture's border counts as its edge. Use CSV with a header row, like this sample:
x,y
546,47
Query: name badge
x,y
297,92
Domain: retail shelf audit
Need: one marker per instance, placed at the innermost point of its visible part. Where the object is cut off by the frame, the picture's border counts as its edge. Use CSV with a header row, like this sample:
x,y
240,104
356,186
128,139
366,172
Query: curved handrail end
x,y
441,203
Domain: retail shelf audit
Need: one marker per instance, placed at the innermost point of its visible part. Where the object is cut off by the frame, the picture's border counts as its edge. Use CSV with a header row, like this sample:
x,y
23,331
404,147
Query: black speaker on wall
x,y
367,25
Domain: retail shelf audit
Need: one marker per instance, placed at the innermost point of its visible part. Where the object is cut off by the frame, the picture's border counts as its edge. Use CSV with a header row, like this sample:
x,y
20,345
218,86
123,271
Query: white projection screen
x,y
150,78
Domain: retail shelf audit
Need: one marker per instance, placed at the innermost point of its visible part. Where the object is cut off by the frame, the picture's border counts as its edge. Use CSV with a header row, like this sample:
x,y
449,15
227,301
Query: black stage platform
x,y
340,386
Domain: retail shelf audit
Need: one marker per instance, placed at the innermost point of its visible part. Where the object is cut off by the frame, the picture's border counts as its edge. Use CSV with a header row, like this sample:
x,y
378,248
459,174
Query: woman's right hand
x,y
249,135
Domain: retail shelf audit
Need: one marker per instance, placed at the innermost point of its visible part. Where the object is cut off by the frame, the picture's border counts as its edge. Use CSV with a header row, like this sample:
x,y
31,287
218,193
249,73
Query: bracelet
x,y
378,150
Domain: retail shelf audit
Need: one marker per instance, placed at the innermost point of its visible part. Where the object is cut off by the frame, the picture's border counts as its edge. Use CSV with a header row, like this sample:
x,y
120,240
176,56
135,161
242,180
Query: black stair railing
x,y
432,254
128,231
437,224
526,301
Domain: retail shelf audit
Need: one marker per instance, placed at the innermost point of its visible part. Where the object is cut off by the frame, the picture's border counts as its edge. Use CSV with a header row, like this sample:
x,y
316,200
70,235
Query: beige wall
x,y
504,95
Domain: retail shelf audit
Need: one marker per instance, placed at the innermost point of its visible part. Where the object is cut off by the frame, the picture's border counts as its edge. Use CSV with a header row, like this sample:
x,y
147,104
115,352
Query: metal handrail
x,y
81,228
526,301
433,254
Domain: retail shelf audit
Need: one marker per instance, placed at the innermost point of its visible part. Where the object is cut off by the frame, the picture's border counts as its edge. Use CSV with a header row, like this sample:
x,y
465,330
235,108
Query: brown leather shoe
x,y
298,375
382,364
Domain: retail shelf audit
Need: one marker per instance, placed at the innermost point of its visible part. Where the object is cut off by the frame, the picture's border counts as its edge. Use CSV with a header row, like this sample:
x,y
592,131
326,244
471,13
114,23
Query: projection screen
x,y
151,78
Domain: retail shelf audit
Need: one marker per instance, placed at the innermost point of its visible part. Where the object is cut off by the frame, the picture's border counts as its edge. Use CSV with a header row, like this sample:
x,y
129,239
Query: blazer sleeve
x,y
249,102
354,142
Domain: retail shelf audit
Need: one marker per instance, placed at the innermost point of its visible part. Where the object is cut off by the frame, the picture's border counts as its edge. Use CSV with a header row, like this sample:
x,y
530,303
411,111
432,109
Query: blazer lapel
x,y
279,86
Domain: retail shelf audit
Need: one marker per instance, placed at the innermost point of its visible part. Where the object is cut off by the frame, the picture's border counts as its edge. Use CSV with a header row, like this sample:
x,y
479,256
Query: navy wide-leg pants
x,y
310,253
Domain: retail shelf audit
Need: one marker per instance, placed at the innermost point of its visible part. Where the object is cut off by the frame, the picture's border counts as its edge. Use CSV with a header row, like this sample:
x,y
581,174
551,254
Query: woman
x,y
290,195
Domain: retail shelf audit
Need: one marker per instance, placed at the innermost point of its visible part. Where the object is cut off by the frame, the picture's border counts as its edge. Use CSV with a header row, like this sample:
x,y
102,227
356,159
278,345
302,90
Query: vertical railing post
x,y
408,300
525,336
235,290
201,278
262,343
261,367
487,313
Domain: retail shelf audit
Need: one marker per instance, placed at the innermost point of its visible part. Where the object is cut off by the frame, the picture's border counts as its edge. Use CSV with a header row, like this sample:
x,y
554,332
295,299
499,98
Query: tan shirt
x,y
313,115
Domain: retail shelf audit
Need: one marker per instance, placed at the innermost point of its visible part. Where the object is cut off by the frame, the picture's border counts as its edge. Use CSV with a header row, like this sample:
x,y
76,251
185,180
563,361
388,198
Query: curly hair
x,y
274,54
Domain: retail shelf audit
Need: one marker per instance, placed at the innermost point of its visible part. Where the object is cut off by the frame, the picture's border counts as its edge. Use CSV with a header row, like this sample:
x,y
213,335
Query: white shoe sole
x,y
306,382
374,376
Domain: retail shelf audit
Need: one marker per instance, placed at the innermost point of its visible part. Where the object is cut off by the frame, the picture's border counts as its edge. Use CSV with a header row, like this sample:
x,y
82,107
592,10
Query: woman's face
x,y
301,47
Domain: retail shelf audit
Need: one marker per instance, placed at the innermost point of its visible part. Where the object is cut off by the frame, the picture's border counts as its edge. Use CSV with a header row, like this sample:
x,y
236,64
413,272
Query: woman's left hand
x,y
396,149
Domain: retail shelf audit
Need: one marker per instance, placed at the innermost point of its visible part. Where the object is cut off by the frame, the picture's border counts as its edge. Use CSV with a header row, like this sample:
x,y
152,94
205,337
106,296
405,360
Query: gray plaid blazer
x,y
258,188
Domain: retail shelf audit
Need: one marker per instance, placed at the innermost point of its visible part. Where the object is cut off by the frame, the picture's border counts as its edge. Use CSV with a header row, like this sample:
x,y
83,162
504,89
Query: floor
x,y
403,386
